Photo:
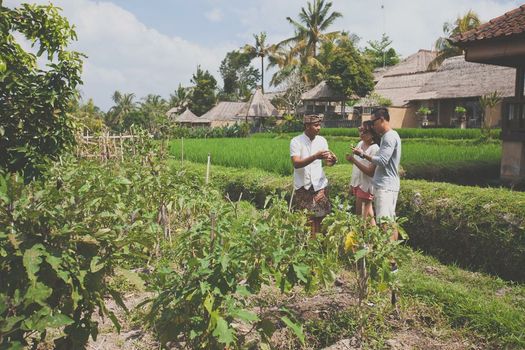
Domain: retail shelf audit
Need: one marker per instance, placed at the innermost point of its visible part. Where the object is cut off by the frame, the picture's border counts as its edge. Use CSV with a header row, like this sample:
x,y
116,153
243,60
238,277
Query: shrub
x,y
475,227
34,121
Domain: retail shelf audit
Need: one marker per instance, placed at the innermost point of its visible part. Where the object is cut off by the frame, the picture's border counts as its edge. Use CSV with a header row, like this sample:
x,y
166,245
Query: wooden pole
x,y
114,142
121,148
208,169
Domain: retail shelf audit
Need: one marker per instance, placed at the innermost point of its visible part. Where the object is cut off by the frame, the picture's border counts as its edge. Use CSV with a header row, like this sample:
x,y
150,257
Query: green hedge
x,y
474,227
404,133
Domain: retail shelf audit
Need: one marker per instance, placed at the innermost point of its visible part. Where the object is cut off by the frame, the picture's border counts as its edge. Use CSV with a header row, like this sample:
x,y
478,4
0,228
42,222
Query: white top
x,y
313,173
359,178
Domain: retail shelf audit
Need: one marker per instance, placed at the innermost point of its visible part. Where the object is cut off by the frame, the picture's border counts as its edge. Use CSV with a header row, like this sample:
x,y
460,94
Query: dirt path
x,y
412,328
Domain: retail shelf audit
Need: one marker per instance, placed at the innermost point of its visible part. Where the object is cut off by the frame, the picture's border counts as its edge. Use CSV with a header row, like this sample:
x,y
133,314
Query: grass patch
x,y
486,305
457,162
404,133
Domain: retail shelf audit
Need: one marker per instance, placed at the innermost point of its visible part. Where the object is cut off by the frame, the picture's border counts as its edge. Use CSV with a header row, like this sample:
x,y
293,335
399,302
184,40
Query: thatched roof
x,y
188,117
172,113
400,89
415,63
258,107
378,73
456,78
322,92
402,82
224,111
273,94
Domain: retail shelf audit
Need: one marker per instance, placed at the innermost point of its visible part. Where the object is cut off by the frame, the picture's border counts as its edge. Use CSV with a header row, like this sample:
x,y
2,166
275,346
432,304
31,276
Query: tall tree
x,y
180,98
285,58
124,105
203,97
34,121
154,108
380,53
239,77
347,71
443,46
89,115
261,49
311,28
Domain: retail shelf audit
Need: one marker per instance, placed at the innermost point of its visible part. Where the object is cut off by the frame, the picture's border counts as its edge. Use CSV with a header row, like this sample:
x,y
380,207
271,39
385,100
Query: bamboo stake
x,y
115,153
181,151
213,219
291,199
208,169
121,148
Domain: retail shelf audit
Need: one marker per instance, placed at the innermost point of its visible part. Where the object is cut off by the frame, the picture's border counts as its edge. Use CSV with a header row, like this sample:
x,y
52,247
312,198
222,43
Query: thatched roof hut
x,y
457,78
188,117
173,113
402,82
323,93
224,113
259,106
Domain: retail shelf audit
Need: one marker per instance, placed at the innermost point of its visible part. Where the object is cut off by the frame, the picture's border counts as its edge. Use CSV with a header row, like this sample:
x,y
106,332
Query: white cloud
x,y
214,15
411,24
125,55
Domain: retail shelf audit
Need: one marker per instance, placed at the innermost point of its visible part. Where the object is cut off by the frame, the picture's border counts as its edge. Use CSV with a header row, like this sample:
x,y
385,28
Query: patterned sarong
x,y
316,202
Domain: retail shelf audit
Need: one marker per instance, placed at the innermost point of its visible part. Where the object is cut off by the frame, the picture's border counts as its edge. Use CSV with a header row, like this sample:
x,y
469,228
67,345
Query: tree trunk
x,y
262,74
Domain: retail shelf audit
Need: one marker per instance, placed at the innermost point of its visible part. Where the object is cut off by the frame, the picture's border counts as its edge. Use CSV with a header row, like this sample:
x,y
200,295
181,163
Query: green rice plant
x,y
435,160
404,133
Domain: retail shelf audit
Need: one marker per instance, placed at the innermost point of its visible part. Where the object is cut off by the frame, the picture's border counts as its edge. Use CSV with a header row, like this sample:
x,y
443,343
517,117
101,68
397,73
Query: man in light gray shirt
x,y
386,175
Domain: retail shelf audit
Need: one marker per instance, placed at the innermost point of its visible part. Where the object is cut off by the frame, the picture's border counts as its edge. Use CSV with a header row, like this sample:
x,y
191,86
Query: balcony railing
x,y
513,121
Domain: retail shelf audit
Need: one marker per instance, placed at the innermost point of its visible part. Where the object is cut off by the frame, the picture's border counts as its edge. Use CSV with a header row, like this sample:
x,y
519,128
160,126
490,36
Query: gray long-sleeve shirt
x,y
386,176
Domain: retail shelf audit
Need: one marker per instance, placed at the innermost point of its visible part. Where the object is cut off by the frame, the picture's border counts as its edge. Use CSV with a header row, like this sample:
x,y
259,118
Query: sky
x,y
150,46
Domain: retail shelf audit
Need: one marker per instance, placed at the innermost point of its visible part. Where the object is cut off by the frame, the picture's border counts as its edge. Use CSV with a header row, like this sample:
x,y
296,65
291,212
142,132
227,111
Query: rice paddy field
x,y
420,158
404,133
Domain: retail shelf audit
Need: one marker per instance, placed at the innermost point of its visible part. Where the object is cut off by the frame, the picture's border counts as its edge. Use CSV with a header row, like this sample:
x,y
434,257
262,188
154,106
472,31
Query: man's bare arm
x,y
299,162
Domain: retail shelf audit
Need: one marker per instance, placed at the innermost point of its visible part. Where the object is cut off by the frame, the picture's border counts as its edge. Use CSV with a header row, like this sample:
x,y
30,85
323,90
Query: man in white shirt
x,y
307,151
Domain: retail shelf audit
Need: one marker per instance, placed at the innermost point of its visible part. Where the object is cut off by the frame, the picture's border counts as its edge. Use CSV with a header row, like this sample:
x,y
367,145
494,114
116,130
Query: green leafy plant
x,y
35,125
64,236
227,258
486,102
460,110
424,111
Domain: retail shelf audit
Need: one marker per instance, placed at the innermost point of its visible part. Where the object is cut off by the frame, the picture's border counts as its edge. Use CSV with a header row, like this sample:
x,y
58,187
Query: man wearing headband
x,y
307,152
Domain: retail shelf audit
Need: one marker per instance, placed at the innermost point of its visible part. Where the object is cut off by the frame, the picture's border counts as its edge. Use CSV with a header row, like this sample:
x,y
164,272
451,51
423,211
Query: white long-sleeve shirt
x,y
386,176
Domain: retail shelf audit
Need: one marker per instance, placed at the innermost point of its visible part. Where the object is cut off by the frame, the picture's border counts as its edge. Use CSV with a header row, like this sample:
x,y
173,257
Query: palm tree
x,y
261,49
285,58
180,98
124,105
443,46
311,27
154,109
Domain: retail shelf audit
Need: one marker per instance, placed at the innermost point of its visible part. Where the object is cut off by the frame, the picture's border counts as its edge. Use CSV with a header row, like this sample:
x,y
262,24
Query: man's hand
x,y
322,155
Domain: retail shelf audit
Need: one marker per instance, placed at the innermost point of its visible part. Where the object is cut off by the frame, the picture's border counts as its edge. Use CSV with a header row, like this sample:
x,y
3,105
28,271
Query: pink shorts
x,y
359,193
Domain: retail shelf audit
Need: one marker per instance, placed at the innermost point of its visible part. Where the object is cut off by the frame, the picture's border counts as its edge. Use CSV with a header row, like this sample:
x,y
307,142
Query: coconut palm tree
x,y
180,98
261,49
124,105
285,58
443,46
154,109
311,28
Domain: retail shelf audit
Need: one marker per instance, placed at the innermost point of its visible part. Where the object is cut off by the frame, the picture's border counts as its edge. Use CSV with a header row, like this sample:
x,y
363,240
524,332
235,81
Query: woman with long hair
x,y
362,172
